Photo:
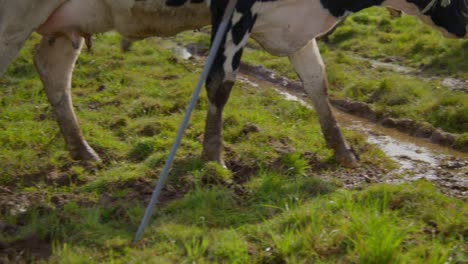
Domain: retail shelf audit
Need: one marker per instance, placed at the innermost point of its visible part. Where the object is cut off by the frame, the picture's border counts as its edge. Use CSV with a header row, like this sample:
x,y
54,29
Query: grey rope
x,y
429,6
209,62
432,3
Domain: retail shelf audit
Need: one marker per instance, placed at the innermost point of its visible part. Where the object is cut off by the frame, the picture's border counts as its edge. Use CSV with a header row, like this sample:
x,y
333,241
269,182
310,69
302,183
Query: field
x,y
282,201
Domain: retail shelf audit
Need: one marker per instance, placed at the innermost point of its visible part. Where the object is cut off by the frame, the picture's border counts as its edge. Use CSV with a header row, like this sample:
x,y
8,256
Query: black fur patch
x,y
338,8
453,17
176,3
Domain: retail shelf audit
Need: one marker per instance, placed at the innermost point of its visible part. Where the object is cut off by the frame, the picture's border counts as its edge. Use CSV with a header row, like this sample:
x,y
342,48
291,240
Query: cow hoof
x,y
220,161
347,160
87,155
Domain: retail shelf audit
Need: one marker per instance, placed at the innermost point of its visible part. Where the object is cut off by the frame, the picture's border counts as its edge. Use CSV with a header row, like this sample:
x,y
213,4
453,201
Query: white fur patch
x,y
230,49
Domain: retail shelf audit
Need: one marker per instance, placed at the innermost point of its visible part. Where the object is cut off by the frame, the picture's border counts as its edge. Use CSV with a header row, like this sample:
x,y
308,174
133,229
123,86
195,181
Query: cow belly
x,y
80,16
133,19
284,27
154,18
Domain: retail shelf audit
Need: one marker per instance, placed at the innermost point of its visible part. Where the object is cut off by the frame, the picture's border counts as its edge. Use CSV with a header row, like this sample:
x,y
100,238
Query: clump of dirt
x,y
15,204
65,176
240,172
27,250
215,174
140,191
250,128
315,164
356,108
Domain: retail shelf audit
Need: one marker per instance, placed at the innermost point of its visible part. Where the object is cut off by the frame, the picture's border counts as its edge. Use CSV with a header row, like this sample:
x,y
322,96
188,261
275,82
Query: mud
x,y
417,158
27,250
140,191
31,249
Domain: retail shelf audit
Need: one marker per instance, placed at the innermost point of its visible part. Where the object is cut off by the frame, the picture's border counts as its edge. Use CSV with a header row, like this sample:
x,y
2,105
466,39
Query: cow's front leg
x,y
218,90
218,86
309,65
55,63
222,77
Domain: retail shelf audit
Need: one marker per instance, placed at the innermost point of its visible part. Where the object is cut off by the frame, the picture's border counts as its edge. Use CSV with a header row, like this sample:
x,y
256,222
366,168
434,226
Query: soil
x,y
26,250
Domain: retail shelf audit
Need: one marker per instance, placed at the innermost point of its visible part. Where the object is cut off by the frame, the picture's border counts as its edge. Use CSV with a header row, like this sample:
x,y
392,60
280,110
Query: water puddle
x,y
402,148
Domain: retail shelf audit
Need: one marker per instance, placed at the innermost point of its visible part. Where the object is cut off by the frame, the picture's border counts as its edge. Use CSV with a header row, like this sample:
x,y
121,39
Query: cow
x,y
282,27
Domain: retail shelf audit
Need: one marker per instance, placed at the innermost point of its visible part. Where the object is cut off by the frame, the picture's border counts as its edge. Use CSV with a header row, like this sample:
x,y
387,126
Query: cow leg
x,y
55,64
218,90
218,86
222,77
310,68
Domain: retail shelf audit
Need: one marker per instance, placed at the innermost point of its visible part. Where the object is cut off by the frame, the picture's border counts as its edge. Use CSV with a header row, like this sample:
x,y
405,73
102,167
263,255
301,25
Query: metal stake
x,y
209,62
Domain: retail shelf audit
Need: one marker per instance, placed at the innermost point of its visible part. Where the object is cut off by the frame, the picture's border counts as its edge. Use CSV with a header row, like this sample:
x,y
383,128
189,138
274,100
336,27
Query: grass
x,y
383,224
376,35
276,206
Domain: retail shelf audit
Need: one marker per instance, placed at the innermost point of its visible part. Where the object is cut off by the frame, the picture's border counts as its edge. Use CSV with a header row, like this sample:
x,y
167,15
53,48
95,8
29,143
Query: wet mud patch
x,y
20,204
408,126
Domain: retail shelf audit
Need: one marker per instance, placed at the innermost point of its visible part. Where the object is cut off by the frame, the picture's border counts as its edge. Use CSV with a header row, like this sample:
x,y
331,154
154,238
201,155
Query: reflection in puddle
x,y
405,153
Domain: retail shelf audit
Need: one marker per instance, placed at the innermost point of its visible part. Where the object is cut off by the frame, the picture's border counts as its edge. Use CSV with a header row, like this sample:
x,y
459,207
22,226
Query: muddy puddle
x,y
417,158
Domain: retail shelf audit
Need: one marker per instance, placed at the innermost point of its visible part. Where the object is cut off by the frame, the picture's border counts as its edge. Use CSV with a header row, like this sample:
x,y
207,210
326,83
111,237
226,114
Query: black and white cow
x,y
281,27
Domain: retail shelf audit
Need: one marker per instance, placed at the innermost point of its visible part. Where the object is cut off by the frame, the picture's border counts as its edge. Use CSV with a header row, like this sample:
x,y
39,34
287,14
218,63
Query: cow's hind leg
x,y
309,65
55,64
